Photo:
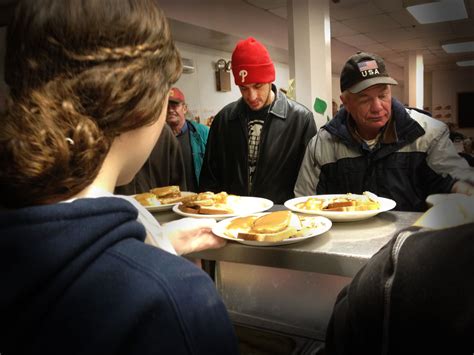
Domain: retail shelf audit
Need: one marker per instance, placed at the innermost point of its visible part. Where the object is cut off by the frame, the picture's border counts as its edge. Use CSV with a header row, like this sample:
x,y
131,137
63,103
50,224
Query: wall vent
x,y
188,65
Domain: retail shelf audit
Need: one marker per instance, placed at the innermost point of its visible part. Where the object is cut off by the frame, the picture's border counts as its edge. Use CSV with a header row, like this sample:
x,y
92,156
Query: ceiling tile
x,y
356,40
376,48
387,53
379,26
388,6
436,51
403,17
430,59
370,24
344,10
430,30
339,29
463,28
397,34
280,12
412,44
267,4
399,59
441,55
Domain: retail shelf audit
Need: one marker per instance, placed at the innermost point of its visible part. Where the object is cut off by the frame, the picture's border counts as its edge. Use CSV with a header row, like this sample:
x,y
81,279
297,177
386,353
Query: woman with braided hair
x,y
89,84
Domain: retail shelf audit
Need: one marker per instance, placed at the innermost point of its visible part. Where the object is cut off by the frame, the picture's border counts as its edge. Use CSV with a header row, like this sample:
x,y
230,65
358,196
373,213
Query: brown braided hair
x,y
80,73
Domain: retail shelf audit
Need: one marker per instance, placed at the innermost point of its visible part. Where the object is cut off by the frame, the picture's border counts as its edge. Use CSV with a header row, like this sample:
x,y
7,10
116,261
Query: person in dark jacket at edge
x,y
375,144
91,84
256,144
164,167
415,295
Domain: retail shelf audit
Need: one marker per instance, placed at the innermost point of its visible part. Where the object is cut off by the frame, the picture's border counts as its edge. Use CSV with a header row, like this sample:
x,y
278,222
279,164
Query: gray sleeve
x,y
443,158
310,169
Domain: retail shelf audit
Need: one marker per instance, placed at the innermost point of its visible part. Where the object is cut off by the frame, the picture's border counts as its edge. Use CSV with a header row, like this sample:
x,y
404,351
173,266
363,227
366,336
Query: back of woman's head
x,y
80,74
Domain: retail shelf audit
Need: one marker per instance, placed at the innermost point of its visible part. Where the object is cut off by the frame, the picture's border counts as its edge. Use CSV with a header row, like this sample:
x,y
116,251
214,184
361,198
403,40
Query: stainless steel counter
x,y
340,251
291,289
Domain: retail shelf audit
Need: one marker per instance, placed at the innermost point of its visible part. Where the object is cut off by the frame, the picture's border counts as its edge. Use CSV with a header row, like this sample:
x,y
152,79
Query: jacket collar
x,y
400,130
279,108
184,129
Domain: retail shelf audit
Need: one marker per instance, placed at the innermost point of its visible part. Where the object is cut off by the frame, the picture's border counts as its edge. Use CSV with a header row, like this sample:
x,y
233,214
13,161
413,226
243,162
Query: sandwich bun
x,y
207,203
241,223
269,237
180,198
272,222
147,199
166,191
218,208
195,208
271,227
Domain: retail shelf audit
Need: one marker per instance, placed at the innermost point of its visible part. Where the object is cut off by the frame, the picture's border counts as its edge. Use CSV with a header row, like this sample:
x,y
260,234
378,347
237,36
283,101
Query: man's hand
x,y
189,235
463,187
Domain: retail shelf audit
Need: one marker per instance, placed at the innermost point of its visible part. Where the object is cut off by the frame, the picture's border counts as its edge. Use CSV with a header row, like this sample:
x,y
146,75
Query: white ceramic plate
x,y
242,205
168,206
386,204
324,225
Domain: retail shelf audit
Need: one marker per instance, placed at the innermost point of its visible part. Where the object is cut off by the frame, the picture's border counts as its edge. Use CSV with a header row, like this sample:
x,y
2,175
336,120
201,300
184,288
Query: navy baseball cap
x,y
363,70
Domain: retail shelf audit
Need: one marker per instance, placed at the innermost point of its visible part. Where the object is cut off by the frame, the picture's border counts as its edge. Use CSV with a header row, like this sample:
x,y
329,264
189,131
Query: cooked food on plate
x,y
161,196
343,203
147,199
270,227
166,193
207,203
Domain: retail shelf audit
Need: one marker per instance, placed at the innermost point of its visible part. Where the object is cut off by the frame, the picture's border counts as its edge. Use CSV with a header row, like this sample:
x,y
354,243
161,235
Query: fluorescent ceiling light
x,y
465,63
458,47
438,11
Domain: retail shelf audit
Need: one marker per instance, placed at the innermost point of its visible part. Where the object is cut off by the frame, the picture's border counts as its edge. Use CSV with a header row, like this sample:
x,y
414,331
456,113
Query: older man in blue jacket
x,y
191,135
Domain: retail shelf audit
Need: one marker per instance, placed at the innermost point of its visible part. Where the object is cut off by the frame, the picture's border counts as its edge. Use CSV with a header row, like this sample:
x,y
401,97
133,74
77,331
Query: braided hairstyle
x,y
80,73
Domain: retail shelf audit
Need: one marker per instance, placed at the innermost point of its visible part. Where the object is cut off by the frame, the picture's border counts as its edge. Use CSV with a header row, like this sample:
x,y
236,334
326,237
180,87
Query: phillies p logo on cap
x,y
243,74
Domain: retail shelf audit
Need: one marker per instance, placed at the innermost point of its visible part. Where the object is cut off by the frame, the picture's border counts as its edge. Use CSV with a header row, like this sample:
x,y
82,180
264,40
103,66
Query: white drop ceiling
x,y
388,29
381,26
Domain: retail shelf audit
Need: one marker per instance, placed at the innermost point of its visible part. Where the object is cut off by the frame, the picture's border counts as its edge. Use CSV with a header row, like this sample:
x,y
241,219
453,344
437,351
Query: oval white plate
x,y
325,225
243,205
168,206
386,204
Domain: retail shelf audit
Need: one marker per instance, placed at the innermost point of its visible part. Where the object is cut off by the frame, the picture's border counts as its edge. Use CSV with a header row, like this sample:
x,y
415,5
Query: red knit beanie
x,y
251,63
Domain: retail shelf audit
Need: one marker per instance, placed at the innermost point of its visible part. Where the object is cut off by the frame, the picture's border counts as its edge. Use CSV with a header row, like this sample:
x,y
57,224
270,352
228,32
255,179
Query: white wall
x,y
231,17
446,85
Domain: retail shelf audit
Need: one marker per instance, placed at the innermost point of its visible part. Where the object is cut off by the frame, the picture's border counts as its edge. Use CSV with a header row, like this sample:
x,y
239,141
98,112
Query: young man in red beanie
x,y
257,143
